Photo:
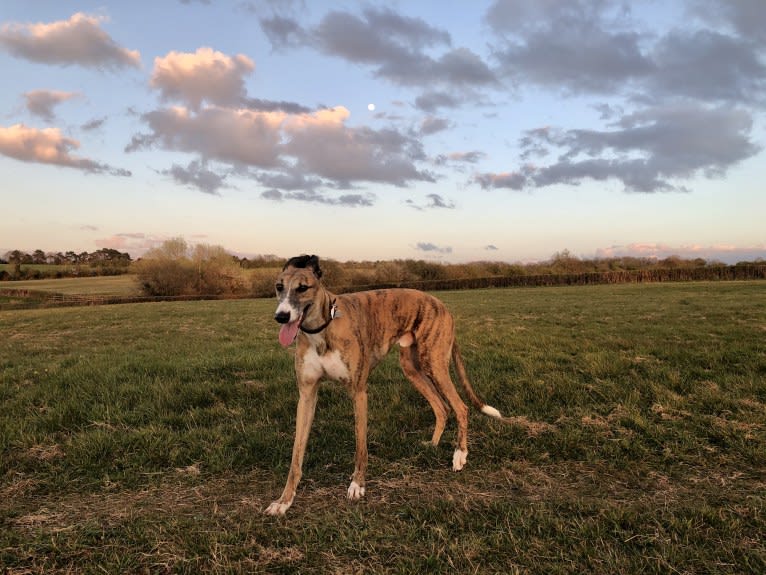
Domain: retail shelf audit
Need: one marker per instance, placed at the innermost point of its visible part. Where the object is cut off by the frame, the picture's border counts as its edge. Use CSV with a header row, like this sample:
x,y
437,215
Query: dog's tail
x,y
463,376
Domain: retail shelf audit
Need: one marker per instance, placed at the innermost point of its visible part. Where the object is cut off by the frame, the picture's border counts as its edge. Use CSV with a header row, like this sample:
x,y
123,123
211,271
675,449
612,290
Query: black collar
x,y
333,315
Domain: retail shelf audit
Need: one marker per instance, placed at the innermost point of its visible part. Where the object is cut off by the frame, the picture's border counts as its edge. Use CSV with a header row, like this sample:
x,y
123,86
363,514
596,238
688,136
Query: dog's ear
x,y
303,262
313,263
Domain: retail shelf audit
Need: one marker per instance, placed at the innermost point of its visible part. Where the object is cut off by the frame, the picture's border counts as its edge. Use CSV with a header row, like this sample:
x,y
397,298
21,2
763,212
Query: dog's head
x,y
297,287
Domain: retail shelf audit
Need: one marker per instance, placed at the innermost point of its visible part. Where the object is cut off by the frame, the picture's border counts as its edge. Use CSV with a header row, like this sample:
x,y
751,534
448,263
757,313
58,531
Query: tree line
x,y
105,261
177,268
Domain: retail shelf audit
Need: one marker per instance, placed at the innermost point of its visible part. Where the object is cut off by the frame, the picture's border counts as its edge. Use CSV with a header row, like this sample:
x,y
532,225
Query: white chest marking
x,y
330,365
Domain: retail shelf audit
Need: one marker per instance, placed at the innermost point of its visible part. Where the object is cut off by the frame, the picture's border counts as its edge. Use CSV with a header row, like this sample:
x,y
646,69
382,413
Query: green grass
x,y
125,285
150,437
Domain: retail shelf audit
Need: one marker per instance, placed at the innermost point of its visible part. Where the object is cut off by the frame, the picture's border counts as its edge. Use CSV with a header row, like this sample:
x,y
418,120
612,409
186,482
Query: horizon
x,y
550,258
493,131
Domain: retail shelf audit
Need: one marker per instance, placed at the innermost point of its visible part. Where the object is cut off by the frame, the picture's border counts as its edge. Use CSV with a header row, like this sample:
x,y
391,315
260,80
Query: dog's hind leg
x,y
408,359
356,488
436,367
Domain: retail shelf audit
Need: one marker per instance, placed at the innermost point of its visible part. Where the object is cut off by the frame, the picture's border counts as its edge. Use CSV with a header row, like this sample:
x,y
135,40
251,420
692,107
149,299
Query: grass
x,y
150,437
125,285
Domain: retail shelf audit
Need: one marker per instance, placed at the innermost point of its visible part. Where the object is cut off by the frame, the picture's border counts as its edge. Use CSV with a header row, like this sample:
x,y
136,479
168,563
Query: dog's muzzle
x,y
282,316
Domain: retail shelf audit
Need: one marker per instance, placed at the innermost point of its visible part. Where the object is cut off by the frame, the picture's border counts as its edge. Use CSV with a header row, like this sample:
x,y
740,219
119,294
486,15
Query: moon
x,y
371,107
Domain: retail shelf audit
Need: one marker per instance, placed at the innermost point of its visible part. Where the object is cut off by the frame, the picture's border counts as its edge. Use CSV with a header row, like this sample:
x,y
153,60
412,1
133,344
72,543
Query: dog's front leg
x,y
305,416
356,489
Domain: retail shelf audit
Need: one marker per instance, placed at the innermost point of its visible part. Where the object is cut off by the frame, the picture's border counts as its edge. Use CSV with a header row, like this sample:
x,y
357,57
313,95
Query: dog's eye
x,y
302,288
280,287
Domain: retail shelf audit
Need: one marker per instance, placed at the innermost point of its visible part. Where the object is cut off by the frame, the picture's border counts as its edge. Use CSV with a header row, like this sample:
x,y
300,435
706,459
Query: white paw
x,y
459,459
277,508
355,491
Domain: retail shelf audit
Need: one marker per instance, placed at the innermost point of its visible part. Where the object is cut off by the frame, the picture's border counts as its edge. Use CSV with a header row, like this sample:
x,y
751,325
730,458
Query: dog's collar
x,y
333,314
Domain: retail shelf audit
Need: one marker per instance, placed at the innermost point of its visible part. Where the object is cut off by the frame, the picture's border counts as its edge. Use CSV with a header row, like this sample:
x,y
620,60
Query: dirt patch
x,y
533,428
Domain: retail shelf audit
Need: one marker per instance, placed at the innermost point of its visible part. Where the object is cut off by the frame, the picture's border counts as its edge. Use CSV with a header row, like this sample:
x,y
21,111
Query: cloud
x,y
77,41
197,176
491,248
290,180
511,180
434,201
41,102
437,201
314,147
203,76
284,32
432,125
650,150
746,17
48,146
472,157
578,45
274,106
234,136
688,96
136,243
431,101
433,248
322,144
398,48
379,37
313,197
706,65
595,47
93,124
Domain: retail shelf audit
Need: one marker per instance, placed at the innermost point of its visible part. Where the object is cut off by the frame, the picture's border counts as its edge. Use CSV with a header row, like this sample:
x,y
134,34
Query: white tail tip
x,y
491,411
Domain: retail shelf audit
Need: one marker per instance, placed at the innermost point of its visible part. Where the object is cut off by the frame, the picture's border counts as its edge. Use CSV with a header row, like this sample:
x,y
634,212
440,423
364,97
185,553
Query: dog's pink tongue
x,y
288,332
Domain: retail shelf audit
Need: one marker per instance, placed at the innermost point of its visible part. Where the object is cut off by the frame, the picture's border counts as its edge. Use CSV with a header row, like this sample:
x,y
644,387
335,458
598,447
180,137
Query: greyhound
x,y
343,337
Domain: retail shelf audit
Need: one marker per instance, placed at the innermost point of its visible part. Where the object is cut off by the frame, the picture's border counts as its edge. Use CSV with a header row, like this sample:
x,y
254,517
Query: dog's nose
x,y
282,316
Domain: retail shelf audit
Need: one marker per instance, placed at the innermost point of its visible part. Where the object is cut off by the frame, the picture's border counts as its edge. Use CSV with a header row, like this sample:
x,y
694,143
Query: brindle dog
x,y
343,337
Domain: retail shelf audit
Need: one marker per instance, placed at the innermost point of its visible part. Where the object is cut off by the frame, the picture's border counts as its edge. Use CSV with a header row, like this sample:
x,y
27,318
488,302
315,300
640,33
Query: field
x,y
149,438
125,285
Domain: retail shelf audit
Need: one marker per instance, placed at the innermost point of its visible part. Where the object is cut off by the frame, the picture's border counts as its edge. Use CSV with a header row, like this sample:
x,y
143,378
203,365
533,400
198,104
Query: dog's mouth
x,y
289,331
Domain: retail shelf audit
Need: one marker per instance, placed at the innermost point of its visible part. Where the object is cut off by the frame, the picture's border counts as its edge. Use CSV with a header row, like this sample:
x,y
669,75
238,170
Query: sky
x,y
445,130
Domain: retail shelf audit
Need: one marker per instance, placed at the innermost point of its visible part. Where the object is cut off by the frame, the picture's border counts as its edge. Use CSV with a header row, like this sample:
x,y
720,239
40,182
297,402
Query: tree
x,y
15,258
175,269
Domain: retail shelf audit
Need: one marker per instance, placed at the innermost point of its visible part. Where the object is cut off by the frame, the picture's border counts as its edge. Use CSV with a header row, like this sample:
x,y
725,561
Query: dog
x,y
343,337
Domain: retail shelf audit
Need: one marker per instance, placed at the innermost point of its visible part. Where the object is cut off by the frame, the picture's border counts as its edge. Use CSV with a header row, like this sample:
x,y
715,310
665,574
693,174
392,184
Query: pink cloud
x,y
79,40
135,243
47,146
204,75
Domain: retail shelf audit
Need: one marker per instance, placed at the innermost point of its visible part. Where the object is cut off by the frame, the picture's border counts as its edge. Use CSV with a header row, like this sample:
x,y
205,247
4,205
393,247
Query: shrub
x,y
174,269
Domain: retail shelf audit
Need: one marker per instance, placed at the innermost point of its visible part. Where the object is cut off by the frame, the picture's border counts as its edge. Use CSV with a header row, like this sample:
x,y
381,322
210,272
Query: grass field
x,y
125,285
150,437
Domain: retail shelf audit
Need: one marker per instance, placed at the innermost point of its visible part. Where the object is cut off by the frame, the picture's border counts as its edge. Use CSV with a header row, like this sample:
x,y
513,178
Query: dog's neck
x,y
321,313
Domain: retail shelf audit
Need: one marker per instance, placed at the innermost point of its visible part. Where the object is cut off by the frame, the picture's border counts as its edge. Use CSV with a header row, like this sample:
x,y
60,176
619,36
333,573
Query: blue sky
x,y
453,131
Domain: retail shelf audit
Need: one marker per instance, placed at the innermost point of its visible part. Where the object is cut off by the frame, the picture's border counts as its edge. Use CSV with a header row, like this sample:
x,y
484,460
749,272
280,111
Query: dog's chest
x,y
329,365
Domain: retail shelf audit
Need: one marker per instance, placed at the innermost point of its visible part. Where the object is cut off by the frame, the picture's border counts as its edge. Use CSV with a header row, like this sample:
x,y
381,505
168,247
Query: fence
x,y
25,298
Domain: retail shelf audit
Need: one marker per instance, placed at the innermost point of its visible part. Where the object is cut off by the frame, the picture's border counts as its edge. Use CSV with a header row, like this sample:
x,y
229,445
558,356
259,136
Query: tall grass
x,y
150,437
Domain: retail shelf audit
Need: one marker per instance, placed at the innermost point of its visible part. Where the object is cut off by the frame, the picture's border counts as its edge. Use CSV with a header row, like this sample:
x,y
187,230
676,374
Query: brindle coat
x,y
349,343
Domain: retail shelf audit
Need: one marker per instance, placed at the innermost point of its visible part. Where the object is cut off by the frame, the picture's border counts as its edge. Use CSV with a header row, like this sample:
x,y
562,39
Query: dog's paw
x,y
277,509
459,459
355,491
